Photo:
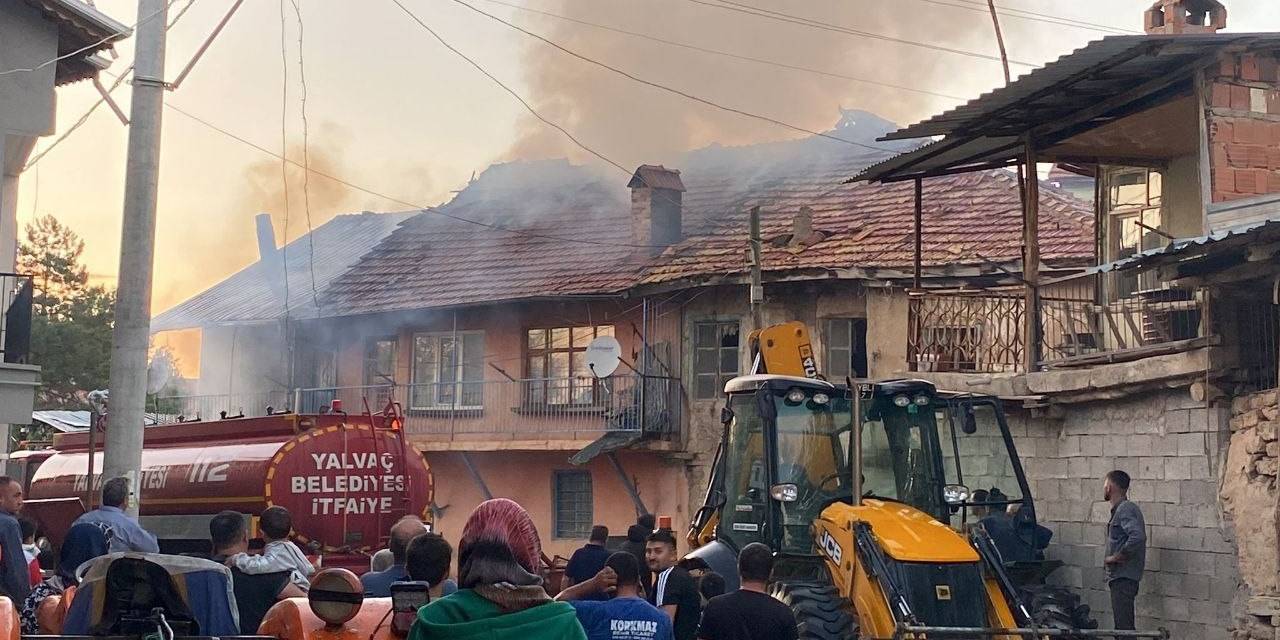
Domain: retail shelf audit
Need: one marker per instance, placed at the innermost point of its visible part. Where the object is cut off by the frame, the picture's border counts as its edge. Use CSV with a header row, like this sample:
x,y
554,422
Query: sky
x,y
390,109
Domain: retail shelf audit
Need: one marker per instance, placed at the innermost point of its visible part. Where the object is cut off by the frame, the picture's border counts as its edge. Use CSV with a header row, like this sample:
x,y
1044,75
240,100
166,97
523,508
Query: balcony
x,y
983,332
570,410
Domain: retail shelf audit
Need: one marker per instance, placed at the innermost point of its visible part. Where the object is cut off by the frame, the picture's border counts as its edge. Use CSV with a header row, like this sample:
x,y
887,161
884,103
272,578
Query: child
x,y
30,549
280,554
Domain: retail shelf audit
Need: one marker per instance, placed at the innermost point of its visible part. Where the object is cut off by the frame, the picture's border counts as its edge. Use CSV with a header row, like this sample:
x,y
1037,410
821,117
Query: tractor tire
x,y
821,613
1057,607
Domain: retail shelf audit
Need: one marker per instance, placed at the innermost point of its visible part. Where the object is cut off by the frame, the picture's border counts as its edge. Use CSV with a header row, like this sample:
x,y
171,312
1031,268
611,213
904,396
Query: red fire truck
x,y
345,479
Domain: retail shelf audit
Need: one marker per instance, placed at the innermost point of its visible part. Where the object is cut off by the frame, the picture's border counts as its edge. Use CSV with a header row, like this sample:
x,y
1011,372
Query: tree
x,y
71,319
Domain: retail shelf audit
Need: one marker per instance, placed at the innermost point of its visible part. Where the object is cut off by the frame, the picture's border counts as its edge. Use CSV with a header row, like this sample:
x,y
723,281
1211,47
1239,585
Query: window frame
x,y
459,383
539,386
1122,285
584,528
369,360
720,375
857,344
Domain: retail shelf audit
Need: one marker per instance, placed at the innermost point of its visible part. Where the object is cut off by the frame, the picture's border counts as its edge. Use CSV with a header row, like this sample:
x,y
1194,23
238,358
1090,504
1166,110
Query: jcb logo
x,y
832,549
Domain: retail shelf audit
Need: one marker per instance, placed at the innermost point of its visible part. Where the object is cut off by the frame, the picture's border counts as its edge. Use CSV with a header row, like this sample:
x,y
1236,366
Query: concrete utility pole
x,y
757,287
122,453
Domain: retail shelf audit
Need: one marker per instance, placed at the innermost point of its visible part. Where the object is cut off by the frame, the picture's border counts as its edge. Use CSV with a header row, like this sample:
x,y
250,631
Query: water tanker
x,y
344,479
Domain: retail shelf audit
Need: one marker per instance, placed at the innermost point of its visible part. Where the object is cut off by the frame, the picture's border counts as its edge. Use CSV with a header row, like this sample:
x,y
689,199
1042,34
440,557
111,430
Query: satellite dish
x,y
159,373
603,356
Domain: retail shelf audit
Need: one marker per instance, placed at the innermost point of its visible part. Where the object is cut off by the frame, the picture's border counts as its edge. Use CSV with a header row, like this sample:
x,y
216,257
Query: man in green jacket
x,y
501,596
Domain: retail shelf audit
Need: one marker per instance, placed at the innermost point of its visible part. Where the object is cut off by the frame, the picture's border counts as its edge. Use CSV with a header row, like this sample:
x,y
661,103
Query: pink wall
x,y
527,478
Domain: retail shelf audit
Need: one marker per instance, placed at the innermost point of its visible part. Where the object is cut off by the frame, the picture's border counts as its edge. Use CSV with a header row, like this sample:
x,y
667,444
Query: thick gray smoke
x,y
632,123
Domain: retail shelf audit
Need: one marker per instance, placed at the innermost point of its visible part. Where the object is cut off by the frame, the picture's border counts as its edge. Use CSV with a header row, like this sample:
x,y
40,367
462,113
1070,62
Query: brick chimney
x,y
656,193
1185,16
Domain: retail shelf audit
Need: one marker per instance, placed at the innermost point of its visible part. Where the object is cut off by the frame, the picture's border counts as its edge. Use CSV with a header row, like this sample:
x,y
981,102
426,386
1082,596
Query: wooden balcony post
x,y
1031,257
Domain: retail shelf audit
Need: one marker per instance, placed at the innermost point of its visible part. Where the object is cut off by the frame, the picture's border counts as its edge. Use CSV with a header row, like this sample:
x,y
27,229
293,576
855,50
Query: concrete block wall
x,y
1172,447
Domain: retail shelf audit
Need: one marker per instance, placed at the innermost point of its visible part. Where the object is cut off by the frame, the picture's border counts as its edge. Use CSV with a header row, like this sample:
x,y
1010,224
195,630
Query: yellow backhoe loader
x,y
877,530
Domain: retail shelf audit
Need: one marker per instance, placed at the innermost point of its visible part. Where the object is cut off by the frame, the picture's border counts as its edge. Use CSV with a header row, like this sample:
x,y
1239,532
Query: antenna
x,y
603,356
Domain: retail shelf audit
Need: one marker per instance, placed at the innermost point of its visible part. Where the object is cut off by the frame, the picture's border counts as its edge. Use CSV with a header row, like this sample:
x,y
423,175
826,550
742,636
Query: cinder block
x,y
1200,564
1091,446
1172,561
1190,539
1223,589
1154,512
1200,468
1191,444
1162,536
1078,467
1168,492
1145,491
1196,587
1197,492
1177,468
1176,609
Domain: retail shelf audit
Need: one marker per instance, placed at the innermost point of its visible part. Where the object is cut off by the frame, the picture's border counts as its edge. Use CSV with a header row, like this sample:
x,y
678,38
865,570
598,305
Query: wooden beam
x,y
1031,256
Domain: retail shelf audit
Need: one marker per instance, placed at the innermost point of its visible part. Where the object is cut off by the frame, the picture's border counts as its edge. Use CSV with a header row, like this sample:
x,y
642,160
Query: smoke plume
x,y
633,123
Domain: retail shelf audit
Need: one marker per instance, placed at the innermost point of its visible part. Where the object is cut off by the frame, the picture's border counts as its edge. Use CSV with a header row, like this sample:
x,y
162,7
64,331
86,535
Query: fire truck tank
x,y
343,480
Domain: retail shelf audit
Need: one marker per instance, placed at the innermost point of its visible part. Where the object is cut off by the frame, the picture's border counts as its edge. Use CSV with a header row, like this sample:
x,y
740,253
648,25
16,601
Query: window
x,y
380,361
715,357
1133,200
846,342
448,370
573,517
557,366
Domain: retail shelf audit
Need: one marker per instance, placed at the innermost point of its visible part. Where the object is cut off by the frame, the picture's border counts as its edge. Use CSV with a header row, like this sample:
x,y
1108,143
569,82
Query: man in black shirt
x,y
255,593
674,590
749,613
589,560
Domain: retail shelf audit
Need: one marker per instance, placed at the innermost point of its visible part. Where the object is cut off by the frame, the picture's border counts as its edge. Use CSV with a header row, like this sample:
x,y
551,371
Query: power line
x,y
101,100
815,24
651,83
306,159
90,46
412,205
727,54
284,163
1034,16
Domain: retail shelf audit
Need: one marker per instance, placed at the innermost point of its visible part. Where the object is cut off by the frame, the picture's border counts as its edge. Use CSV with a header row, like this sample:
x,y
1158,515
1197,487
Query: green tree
x,y
71,319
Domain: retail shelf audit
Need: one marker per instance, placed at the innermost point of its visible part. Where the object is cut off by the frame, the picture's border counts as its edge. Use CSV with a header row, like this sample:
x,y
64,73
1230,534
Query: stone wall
x,y
1249,494
1172,447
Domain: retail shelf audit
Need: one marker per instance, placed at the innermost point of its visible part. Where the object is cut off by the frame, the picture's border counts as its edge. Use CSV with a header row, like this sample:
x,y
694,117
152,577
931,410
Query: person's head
x,y
83,542
627,568
402,533
275,523
428,559
28,530
10,494
660,550
599,535
755,563
381,560
115,493
711,585
499,544
228,533
648,521
1116,485
637,533
979,500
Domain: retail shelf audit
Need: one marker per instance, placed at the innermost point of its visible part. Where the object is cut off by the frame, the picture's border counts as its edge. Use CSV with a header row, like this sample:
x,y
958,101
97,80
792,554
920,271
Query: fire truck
x,y
345,479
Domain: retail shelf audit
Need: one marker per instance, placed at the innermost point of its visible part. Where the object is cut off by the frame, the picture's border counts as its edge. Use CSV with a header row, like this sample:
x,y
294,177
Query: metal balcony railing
x,y
567,408
555,408
984,333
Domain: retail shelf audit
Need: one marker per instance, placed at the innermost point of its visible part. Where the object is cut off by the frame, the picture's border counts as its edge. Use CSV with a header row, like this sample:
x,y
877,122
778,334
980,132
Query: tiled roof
x,y
247,296
656,177
432,261
570,228
968,219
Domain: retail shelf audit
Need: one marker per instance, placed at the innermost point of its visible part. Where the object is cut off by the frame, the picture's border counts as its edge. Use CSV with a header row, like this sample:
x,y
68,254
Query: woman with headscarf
x,y
84,542
500,593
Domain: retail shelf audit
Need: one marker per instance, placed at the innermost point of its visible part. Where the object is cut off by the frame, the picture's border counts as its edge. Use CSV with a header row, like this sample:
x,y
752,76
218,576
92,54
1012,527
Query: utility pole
x,y
122,453
757,287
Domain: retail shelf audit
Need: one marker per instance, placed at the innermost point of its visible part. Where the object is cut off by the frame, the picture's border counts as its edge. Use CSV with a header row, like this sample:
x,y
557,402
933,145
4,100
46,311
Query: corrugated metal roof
x,y
65,421
986,128
1187,248
247,296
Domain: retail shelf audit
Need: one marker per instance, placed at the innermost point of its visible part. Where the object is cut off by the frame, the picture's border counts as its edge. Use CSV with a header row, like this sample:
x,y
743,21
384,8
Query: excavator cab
x,y
898,529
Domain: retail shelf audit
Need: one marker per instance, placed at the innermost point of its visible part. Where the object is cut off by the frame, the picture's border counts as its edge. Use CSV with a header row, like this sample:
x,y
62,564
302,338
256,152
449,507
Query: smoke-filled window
x,y
448,370
380,369
557,366
715,357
